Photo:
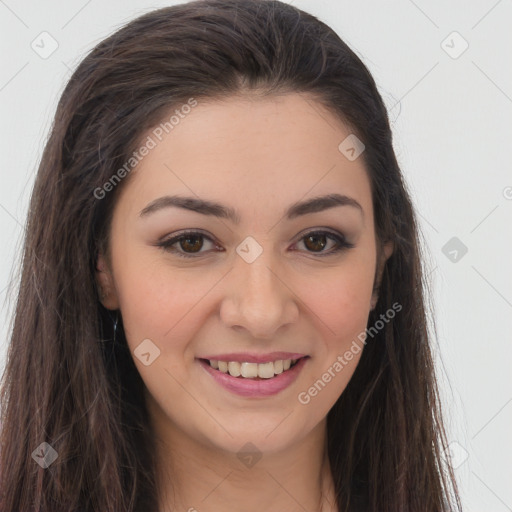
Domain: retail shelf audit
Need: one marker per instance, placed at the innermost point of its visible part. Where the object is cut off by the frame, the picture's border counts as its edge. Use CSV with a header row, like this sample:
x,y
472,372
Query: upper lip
x,y
254,358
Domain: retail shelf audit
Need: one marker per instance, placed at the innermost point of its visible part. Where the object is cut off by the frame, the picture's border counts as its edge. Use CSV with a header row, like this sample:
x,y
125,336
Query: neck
x,y
194,476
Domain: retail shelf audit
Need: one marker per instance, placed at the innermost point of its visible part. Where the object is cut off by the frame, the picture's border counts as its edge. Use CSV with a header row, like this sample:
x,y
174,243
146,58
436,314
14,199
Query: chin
x,y
271,434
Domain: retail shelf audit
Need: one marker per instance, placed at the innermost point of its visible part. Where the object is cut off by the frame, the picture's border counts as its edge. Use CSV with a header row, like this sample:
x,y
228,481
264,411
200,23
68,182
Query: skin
x,y
257,155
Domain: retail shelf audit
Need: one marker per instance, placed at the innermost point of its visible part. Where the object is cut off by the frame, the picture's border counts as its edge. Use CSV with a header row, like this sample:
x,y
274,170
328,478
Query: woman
x,y
183,338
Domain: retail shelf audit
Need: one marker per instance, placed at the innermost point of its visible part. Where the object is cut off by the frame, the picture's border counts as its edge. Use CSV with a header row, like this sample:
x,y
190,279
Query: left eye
x,y
317,241
190,243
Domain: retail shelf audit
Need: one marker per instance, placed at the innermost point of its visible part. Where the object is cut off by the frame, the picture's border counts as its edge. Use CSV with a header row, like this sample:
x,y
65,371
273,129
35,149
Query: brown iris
x,y
191,243
316,245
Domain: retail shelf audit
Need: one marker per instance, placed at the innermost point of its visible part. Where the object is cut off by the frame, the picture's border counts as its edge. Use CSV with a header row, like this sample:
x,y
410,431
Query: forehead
x,y
249,152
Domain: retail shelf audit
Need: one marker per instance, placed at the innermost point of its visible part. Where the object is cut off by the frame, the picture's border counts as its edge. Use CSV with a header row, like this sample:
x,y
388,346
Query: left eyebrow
x,y
318,204
206,207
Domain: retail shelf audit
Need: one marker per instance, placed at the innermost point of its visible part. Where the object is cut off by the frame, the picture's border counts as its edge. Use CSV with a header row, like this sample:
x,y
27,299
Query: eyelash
x,y
166,245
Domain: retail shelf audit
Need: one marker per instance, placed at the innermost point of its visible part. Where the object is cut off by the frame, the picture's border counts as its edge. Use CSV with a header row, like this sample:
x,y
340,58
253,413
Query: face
x,y
262,279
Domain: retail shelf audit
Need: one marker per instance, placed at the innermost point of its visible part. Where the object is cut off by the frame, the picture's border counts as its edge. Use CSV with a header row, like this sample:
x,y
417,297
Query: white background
x,y
453,136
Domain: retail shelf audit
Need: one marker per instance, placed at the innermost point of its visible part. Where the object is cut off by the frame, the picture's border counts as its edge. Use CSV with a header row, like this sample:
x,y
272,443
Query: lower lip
x,y
256,388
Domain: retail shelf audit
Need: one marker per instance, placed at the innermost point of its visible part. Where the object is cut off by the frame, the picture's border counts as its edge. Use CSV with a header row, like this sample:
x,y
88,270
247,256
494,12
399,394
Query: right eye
x,y
188,241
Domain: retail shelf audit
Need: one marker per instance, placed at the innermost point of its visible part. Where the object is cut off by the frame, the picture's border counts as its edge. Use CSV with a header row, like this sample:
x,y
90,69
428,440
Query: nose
x,y
259,299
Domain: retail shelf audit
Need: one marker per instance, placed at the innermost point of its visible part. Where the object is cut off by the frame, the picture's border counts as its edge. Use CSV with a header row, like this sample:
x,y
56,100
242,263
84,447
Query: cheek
x,y
341,298
342,305
158,302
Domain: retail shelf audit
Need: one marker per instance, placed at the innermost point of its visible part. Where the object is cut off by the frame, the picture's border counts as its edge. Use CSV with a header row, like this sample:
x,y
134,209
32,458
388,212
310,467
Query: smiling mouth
x,y
253,371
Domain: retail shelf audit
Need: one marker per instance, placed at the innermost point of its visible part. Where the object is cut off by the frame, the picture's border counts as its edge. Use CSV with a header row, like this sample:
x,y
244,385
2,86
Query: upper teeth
x,y
251,370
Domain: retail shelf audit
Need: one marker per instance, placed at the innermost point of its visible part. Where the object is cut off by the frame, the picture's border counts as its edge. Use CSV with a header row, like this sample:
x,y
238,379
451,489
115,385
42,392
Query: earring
x,y
115,326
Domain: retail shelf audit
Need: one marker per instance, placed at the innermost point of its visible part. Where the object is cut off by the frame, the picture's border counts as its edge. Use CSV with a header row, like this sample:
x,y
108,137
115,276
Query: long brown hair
x,y
70,382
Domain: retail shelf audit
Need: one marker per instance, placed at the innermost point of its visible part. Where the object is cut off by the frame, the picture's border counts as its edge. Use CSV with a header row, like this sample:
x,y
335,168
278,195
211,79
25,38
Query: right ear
x,y
105,282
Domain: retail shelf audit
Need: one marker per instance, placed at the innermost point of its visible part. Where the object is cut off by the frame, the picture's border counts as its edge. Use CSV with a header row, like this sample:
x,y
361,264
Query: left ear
x,y
387,251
